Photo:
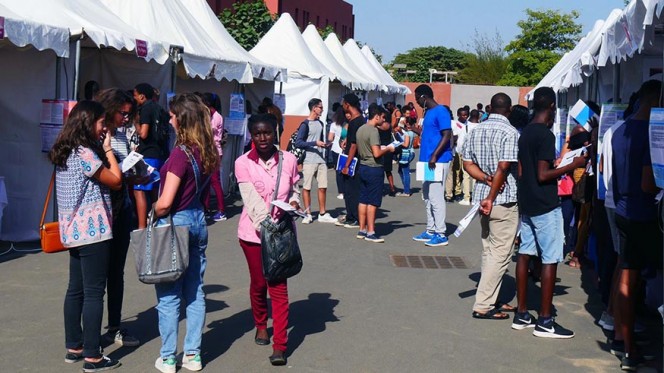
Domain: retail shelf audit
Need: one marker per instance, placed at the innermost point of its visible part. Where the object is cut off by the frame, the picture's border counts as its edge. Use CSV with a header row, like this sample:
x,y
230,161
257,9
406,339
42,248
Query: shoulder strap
x,y
279,169
48,198
194,165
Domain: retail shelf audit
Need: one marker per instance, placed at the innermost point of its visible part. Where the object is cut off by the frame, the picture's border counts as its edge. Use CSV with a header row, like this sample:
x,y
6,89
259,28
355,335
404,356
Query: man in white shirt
x,y
466,123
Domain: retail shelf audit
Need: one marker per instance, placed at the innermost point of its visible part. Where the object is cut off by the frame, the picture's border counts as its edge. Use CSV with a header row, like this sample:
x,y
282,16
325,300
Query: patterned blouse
x,y
84,204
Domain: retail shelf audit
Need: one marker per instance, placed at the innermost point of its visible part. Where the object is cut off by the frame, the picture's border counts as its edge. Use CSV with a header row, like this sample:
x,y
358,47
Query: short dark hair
x,y
501,101
262,118
543,98
313,103
519,116
145,89
423,90
375,109
474,113
650,89
335,106
460,110
352,100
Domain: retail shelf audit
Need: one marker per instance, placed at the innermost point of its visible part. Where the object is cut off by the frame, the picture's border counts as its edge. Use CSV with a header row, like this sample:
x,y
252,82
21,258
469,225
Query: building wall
x,y
336,13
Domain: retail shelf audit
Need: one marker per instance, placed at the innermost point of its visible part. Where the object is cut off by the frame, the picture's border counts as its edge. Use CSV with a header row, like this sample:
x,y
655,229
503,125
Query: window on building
x,y
335,27
327,22
317,21
297,14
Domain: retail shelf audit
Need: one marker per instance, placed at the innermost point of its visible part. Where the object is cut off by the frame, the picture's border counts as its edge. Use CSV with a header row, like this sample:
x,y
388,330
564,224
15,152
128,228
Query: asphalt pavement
x,y
353,309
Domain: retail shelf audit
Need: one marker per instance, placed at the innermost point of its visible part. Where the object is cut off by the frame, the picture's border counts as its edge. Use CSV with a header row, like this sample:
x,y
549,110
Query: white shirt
x,y
607,165
336,129
461,130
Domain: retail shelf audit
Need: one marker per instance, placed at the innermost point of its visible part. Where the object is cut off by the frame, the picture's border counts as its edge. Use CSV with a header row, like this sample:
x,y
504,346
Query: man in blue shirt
x,y
436,151
634,192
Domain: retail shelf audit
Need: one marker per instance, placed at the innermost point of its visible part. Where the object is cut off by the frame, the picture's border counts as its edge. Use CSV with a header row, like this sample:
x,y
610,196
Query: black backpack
x,y
299,153
162,130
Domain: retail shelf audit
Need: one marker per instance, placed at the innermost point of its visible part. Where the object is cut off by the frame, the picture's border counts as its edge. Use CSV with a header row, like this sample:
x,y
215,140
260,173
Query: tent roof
x,y
284,45
355,53
368,54
91,18
317,46
224,42
170,22
22,31
334,46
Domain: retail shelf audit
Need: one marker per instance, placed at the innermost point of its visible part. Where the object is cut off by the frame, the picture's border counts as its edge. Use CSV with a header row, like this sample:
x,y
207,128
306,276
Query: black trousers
x,y
352,195
122,226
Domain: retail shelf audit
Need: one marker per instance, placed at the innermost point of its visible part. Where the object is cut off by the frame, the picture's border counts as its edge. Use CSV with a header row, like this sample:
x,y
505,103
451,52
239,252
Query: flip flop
x,y
504,307
494,314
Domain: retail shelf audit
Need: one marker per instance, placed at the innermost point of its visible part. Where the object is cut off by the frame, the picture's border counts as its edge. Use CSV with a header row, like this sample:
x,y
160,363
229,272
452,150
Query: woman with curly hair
x,y
186,171
85,170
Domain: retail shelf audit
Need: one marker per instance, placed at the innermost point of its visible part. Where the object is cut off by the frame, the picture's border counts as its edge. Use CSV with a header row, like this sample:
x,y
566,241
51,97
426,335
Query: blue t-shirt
x,y
631,151
435,120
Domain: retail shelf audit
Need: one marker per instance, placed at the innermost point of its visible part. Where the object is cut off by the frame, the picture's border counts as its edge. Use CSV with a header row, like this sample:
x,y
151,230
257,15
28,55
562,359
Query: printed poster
x,y
610,115
560,129
237,110
279,100
53,115
657,144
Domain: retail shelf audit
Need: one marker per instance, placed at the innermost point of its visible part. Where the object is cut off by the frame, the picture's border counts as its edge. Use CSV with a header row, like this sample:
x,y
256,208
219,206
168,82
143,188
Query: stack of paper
x,y
424,173
582,114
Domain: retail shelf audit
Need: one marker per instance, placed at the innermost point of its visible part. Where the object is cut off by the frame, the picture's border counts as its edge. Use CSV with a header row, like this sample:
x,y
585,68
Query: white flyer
x,y
568,158
130,161
465,222
424,173
288,208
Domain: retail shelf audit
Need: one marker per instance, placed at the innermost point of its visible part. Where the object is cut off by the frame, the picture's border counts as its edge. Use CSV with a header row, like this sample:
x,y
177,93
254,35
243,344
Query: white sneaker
x,y
192,363
308,219
464,202
326,218
165,366
340,196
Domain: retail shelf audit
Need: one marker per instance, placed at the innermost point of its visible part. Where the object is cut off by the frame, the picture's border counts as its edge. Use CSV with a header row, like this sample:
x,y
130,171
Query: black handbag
x,y
279,248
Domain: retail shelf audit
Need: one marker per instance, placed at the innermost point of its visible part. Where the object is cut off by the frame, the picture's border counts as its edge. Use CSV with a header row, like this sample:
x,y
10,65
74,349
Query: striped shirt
x,y
494,140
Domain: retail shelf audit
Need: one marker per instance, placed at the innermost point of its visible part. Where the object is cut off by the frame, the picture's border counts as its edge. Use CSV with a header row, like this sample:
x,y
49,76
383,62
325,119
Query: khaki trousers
x,y
453,179
468,183
498,232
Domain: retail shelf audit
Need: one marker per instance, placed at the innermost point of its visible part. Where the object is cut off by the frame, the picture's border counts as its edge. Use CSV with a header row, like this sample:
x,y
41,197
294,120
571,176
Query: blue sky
x,y
392,27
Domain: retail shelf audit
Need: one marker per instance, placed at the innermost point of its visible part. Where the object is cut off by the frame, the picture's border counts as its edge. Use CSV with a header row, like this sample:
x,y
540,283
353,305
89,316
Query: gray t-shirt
x,y
366,137
315,154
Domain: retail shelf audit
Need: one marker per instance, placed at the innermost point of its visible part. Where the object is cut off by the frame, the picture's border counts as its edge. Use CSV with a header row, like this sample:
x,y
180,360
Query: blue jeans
x,y
188,287
404,172
543,235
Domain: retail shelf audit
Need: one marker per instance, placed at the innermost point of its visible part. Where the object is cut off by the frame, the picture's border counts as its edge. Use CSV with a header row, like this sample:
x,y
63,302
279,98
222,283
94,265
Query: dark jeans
x,y
88,269
567,206
606,255
122,226
339,175
352,195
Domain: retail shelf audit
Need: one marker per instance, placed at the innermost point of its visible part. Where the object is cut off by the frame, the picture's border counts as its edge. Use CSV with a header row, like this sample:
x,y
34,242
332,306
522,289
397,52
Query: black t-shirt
x,y
351,137
149,114
537,143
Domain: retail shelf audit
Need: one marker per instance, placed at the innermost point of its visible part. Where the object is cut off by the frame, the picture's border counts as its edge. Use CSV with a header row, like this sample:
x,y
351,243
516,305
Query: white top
x,y
336,130
461,130
607,165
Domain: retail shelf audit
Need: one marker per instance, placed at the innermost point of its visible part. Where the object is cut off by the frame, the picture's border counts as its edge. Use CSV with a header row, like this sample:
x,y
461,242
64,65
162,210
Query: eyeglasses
x,y
125,114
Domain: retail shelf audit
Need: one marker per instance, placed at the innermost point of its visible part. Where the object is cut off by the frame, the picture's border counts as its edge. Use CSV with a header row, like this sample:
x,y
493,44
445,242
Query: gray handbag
x,y
161,253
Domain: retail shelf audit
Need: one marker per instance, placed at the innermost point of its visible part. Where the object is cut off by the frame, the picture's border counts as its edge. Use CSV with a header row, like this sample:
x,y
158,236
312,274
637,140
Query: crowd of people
x,y
502,158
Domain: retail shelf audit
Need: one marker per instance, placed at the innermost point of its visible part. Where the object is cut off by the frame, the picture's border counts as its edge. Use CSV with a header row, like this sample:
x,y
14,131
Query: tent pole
x,y
616,82
76,68
58,77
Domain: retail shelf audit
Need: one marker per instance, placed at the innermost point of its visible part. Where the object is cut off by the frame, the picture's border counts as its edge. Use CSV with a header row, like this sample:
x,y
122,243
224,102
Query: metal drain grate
x,y
428,261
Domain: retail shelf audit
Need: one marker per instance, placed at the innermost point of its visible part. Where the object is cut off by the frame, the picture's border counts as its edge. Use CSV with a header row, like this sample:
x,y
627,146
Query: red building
x,y
335,13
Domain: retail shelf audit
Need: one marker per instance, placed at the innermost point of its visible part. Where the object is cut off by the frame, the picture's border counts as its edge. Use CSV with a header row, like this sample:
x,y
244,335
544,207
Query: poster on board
x,y
656,135
236,108
560,129
610,115
279,100
52,117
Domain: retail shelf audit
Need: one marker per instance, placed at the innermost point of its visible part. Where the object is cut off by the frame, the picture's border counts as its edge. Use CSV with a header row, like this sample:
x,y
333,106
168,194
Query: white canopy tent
x,y
307,77
368,54
170,22
626,34
317,46
337,50
21,32
353,51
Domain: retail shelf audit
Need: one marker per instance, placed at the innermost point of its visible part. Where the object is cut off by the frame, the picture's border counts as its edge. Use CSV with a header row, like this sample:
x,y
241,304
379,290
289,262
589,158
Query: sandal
x,y
504,307
574,262
494,314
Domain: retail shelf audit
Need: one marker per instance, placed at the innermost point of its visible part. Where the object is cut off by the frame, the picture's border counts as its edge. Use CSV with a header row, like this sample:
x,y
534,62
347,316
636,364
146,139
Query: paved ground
x,y
351,309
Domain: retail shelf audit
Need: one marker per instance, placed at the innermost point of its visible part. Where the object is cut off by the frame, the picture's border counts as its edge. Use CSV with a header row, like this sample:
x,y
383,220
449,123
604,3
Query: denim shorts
x,y
543,236
371,185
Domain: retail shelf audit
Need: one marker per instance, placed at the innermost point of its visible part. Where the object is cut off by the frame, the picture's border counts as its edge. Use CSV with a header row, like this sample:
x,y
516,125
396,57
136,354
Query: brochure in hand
x,y
341,162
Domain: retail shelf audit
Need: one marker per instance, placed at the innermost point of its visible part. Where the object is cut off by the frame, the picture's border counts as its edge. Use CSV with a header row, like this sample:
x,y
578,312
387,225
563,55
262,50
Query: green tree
x,y
487,64
545,36
424,58
325,31
247,21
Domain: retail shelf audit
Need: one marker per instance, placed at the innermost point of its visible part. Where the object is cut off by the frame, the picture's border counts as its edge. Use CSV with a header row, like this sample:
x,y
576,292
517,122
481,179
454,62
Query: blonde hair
x,y
194,128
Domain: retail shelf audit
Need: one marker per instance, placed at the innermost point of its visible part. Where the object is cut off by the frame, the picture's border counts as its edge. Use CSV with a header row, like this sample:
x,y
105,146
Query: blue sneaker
x,y
361,235
437,240
423,237
373,238
219,216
